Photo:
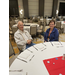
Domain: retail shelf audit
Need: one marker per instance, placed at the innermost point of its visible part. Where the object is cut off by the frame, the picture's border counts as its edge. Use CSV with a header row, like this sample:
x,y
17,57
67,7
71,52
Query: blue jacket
x,y
53,36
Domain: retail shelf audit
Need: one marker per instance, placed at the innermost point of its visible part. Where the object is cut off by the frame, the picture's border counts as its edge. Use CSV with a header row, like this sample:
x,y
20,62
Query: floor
x,y
39,40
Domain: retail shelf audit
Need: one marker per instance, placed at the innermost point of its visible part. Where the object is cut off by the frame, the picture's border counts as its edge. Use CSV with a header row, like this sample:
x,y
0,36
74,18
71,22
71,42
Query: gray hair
x,y
19,23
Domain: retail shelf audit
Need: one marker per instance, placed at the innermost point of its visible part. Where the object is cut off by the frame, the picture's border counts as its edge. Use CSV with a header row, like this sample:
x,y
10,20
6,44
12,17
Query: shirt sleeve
x,y
18,40
45,39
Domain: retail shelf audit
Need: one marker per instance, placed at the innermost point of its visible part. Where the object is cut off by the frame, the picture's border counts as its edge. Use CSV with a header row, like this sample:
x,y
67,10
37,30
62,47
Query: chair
x,y
30,21
58,26
11,53
33,30
63,18
11,32
21,19
14,29
25,20
11,23
40,30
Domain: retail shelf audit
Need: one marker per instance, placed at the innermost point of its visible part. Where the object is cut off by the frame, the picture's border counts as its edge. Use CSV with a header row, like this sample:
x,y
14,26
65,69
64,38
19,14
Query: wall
x,y
25,5
33,6
13,8
41,7
20,6
59,3
48,7
55,5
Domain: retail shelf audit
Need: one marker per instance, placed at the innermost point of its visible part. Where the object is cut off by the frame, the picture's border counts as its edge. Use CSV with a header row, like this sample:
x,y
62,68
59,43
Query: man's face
x,y
20,26
52,25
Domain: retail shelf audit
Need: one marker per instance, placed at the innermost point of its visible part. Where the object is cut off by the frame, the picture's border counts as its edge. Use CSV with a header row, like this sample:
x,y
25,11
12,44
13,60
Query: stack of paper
x,y
40,47
26,56
47,44
57,44
32,49
15,72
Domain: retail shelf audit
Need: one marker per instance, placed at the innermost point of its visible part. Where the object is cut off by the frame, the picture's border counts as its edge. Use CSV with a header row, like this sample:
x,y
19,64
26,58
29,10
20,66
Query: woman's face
x,y
52,25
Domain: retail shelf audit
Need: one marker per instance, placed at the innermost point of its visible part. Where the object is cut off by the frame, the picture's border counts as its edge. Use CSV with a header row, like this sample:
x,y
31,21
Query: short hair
x,y
19,23
52,21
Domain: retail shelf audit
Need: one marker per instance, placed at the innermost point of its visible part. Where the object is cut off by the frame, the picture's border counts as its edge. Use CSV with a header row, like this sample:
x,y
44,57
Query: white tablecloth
x,y
36,65
27,27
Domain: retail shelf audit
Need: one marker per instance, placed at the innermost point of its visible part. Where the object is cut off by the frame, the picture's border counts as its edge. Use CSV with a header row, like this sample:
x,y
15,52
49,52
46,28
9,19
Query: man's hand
x,y
29,41
63,58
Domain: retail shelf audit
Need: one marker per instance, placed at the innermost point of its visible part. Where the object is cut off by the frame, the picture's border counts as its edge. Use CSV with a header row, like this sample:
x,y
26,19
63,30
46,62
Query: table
x,y
25,20
47,20
36,65
27,27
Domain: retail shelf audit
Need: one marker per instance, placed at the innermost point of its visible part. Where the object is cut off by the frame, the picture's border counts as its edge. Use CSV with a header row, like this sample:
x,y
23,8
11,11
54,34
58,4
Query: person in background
x,y
52,33
22,37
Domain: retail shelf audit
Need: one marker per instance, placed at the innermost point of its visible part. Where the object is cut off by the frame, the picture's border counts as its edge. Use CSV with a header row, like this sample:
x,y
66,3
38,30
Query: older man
x,y
22,37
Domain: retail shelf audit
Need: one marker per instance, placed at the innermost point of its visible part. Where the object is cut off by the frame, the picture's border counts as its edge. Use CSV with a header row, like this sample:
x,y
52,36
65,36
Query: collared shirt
x,y
24,35
21,38
53,36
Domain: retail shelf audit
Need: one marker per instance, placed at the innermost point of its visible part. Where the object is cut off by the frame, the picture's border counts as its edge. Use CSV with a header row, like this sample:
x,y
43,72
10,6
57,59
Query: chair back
x,y
21,19
30,21
25,20
61,19
14,29
11,51
33,30
58,24
11,23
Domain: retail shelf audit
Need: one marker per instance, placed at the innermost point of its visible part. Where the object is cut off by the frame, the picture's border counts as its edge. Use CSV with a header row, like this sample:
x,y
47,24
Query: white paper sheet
x,y
47,44
32,49
16,72
56,43
26,56
40,47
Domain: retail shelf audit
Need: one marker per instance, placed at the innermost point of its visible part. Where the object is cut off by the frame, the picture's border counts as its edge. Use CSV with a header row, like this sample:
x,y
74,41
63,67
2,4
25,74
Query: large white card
x,y
32,49
26,56
16,72
57,44
40,47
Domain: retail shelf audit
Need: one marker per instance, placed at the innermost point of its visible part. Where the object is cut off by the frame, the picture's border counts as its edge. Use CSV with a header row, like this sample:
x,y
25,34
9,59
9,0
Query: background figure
x,y
51,33
22,37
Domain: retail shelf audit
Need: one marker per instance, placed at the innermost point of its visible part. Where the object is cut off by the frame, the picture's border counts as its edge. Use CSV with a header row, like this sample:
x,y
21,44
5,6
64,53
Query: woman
x,y
51,33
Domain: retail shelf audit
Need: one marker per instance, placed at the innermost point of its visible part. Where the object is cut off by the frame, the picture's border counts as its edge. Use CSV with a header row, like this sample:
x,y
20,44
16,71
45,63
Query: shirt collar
x,y
53,29
21,31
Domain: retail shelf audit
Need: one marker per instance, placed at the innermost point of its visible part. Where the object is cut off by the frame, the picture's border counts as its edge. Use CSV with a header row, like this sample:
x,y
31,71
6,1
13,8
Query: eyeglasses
x,y
51,24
